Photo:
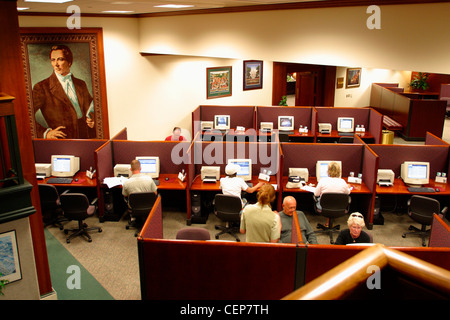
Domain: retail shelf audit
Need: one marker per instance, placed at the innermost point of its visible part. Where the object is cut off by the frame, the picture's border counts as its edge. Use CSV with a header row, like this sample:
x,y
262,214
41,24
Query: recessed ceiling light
x,y
175,6
49,1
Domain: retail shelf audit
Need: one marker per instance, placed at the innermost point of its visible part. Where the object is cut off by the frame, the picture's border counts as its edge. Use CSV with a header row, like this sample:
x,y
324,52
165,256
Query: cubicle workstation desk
x,y
334,136
392,157
172,160
356,158
367,117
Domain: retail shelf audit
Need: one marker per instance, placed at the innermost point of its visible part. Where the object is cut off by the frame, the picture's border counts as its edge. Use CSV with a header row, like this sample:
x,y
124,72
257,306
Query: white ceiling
x,y
143,6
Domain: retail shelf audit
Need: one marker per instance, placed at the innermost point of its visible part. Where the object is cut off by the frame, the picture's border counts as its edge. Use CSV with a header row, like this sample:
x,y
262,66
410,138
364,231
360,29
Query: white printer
x,y
325,127
43,170
210,173
385,177
122,170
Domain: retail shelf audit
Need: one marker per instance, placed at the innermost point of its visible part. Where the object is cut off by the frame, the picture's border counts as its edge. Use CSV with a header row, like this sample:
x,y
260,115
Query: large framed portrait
x,y
218,82
65,82
353,77
9,257
253,74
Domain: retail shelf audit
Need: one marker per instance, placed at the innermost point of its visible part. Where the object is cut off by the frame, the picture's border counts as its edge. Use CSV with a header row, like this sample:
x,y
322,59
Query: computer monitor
x,y
346,124
246,168
322,168
415,173
222,122
285,123
65,166
149,166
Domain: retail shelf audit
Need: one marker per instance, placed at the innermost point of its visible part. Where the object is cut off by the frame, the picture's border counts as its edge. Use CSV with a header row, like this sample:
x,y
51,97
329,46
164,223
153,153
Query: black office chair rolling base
x,y
423,233
329,229
231,229
82,230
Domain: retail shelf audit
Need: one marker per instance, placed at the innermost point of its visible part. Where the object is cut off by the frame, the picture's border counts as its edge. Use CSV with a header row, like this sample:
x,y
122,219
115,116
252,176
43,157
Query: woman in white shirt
x,y
333,183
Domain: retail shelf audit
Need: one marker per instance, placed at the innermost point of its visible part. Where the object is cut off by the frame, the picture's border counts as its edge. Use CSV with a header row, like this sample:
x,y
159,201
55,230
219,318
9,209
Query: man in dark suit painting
x,y
62,104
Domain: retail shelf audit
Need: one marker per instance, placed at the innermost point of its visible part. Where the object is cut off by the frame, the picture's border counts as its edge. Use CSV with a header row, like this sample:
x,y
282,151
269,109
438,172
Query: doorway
x,y
303,84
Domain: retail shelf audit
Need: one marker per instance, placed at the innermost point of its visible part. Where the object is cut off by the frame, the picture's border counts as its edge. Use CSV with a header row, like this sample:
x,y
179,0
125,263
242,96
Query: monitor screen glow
x,y
149,166
245,165
345,124
222,122
415,173
64,165
286,123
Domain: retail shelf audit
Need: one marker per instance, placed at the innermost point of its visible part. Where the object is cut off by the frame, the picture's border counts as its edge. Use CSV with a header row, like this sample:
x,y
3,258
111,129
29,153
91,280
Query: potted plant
x,y
283,101
2,285
420,81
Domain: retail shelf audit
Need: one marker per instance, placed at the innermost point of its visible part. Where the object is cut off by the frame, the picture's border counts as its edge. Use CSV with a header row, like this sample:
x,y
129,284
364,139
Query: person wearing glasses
x,y
354,233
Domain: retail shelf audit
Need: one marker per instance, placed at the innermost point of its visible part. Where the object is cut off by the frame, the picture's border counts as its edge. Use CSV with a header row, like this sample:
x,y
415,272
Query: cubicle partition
x,y
214,270
304,116
356,158
83,148
367,117
121,135
243,116
417,113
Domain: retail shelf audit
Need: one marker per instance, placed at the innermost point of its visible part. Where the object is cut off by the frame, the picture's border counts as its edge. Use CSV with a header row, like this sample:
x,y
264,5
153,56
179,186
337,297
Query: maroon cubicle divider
x,y
83,148
104,161
263,155
302,115
306,155
172,155
121,135
392,156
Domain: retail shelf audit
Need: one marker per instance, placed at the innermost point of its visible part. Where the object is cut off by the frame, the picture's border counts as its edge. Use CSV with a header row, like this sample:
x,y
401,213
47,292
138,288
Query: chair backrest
x,y
227,207
49,196
334,205
346,139
283,137
75,205
422,209
141,203
193,233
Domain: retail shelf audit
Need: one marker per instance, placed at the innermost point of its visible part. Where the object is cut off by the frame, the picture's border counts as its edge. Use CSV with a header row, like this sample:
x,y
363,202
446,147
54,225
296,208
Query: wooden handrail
x,y
347,276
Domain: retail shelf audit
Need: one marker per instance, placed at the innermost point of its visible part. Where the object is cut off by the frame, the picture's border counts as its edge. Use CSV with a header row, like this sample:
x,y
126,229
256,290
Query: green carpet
x,y
66,271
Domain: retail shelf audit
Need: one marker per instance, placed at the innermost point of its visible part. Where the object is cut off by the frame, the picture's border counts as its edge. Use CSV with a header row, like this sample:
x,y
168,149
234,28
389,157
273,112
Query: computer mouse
x,y
167,179
76,180
437,189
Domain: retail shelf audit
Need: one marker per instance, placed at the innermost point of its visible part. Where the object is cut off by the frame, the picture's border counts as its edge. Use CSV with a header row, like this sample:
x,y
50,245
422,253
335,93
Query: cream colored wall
x,y
150,95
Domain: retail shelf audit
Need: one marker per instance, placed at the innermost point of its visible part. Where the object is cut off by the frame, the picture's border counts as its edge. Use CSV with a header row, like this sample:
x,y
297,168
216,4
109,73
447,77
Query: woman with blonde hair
x,y
354,233
258,221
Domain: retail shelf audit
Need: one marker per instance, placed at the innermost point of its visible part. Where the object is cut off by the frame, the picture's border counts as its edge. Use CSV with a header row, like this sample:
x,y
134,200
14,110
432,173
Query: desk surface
x,y
357,188
167,181
335,135
400,187
80,176
198,185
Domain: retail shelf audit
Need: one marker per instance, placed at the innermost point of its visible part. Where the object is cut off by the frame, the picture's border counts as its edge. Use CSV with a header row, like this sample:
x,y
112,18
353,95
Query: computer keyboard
x,y
420,189
60,180
286,132
156,182
249,184
346,133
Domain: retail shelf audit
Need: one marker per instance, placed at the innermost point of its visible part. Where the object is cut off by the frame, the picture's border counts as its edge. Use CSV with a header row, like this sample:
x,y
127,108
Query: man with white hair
x,y
233,185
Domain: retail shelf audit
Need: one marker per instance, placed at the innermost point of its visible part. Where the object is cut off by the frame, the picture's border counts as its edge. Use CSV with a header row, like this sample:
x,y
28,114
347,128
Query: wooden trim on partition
x,y
336,283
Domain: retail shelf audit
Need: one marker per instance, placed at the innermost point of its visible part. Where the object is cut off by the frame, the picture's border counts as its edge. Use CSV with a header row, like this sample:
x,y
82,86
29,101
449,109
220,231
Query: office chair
x,y
283,137
139,206
193,233
346,139
52,213
227,208
333,205
76,206
421,210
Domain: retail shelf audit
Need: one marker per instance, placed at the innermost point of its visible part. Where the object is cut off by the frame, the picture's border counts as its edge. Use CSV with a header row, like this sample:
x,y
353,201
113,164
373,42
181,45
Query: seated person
x,y
289,207
176,135
354,233
258,221
138,182
233,185
333,183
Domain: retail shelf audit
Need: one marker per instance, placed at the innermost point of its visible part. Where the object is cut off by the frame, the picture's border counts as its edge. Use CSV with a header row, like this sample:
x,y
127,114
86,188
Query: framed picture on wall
x,y
218,82
65,82
253,74
9,257
353,77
